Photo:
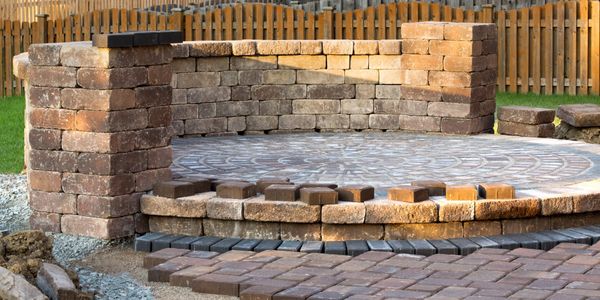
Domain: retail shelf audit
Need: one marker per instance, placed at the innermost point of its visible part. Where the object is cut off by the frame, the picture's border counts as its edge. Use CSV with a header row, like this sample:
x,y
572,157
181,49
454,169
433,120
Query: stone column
x,y
98,135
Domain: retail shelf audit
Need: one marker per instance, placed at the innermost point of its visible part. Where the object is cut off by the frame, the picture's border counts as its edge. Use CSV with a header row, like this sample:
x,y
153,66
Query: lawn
x,y
11,118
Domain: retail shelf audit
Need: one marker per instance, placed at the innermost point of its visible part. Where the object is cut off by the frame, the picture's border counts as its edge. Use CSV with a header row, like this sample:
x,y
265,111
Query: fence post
x,y
177,19
488,13
328,23
42,23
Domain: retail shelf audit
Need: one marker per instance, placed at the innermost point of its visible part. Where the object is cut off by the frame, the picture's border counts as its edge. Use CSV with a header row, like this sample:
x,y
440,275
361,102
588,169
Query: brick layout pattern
x,y
568,271
440,82
526,121
97,135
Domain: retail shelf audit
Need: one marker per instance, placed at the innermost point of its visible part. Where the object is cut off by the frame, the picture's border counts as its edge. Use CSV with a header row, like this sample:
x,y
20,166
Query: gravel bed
x,y
14,216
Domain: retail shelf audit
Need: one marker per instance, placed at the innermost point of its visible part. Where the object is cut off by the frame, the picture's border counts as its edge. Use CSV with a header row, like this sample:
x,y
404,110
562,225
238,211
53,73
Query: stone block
x,y
282,191
250,77
393,76
580,115
333,121
100,121
257,209
454,110
461,192
203,126
309,47
435,187
198,80
297,122
456,211
160,157
209,94
159,75
82,54
185,207
302,62
332,186
44,139
236,124
300,232
417,78
465,64
318,195
507,209
398,212
526,115
52,118
482,228
468,31
212,64
236,108
277,47
380,121
359,121
385,62
45,181
423,31
229,78
279,77
466,125
240,93
520,129
96,227
347,232
278,92
44,97
243,48
45,54
451,79
108,79
59,161
390,47
415,46
359,62
46,222
98,185
587,202
365,91
496,191
424,231
422,62
184,112
356,193
409,194
236,190
357,106
315,106
361,76
176,225
241,229
210,48
262,122
145,180
323,76
201,185
388,91
112,164
253,63
556,205
184,65
367,47
343,213
174,189
338,47
339,62
455,48
156,55
420,123
404,107
62,203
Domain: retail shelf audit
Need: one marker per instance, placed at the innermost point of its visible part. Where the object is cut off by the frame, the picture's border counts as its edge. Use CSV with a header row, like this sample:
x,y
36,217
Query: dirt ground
x,y
117,260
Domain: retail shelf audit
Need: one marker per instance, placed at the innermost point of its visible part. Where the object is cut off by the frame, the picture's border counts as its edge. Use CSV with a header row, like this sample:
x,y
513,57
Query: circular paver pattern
x,y
388,159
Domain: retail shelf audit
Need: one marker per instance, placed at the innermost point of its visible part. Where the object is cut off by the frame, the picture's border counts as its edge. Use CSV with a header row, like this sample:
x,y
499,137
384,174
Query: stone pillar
x,y
98,135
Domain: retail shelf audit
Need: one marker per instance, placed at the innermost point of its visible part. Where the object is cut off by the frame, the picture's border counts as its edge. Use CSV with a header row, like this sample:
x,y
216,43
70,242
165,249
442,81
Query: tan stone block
x,y
333,121
184,65
461,192
588,202
176,225
392,76
243,48
46,222
297,122
496,191
390,212
59,161
467,31
277,47
359,121
467,94
359,62
210,48
209,94
212,64
308,47
103,100
108,207
339,62
237,108
97,142
300,232
41,97
99,121
420,123
45,181
240,93
507,209
45,54
330,91
455,48
241,229
556,205
347,232
203,126
456,211
388,91
63,203
404,107
416,77
198,80
385,62
52,76
365,91
185,207
338,47
315,106
107,79
253,62
44,139
380,121
236,124
366,47
320,76
415,46
179,96
422,62
357,106
482,228
424,231
343,213
275,107
278,92
257,209
160,157
96,227
465,64
83,55
390,47
361,76
455,110
525,225
423,30
145,180
21,65
225,209
450,79
279,77
302,62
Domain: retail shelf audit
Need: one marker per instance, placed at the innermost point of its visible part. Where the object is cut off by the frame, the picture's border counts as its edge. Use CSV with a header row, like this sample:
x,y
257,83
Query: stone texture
x,y
461,192
318,195
396,212
282,192
176,225
16,287
97,227
257,209
185,207
424,231
526,115
409,194
507,209
435,187
343,213
496,191
519,129
580,115
356,193
347,232
241,229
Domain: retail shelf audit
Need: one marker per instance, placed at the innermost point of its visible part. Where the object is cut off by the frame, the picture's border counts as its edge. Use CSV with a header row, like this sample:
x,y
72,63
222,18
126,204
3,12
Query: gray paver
x,y
355,248
335,248
379,245
224,245
444,247
265,245
465,246
164,242
402,246
423,247
184,242
312,247
290,246
484,242
144,242
204,243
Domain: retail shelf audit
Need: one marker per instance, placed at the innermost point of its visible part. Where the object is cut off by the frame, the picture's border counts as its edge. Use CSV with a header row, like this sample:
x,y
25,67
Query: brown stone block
x,y
461,192
453,110
347,232
300,232
145,180
103,100
61,203
184,277
520,129
423,231
356,193
241,229
175,225
556,205
580,115
52,76
456,211
152,138
45,54
526,225
482,228
52,118
258,209
99,228
318,195
154,55
282,192
161,256
225,208
59,161
174,189
108,207
159,116
210,48
588,202
151,96
45,181
343,213
43,97
98,185
507,209
526,115
141,223
236,190
435,187
228,285
420,123
44,139
46,222
201,185
410,194
496,191
464,125
186,207
107,79
254,62
112,164
101,121
398,212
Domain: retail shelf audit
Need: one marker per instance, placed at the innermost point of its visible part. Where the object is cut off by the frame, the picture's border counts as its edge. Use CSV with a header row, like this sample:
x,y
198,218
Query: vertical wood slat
x,y
279,22
523,52
501,51
512,42
583,45
549,49
537,50
572,59
595,49
560,48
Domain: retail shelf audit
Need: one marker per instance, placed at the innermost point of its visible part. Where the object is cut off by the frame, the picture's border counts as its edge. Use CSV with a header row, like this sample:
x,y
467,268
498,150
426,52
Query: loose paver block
x,y
461,192
174,189
332,186
356,193
201,185
282,192
496,191
236,190
580,115
163,255
318,196
55,282
526,114
409,194
263,183
435,187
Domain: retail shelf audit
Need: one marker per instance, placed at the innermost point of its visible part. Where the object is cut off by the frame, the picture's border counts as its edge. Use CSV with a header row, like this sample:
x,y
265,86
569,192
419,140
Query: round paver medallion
x,y
388,159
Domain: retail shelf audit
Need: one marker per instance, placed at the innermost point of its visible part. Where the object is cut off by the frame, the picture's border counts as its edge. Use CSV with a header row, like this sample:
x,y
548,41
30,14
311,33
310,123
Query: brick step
x,y
543,240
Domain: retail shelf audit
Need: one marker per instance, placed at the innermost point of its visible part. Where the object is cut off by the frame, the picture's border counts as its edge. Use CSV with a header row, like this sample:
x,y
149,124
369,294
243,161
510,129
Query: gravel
x,y
14,216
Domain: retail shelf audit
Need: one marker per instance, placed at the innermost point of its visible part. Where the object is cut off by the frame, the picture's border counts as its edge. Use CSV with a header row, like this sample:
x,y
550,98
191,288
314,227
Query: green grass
x,y
553,101
11,134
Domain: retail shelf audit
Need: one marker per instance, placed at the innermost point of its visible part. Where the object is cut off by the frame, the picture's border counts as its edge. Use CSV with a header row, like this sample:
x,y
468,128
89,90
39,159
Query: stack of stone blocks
x,y
526,121
439,78
98,135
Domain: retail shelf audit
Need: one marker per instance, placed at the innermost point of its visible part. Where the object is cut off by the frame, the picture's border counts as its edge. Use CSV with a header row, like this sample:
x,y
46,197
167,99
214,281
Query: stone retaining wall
x,y
440,78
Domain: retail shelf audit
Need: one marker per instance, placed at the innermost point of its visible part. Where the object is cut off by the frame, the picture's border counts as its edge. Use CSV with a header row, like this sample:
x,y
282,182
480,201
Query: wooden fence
x,y
551,49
